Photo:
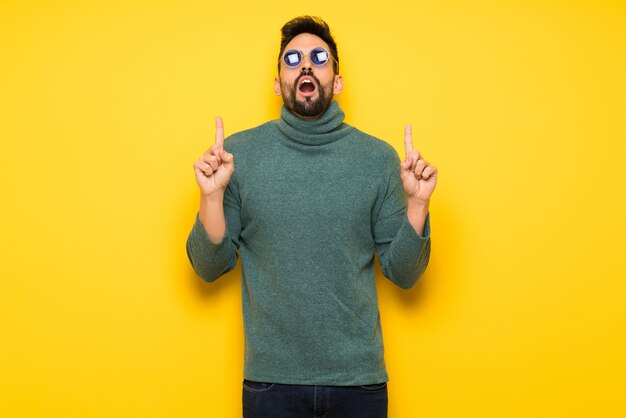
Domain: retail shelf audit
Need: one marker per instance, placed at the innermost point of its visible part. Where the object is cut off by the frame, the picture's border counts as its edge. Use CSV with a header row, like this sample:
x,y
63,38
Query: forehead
x,y
305,42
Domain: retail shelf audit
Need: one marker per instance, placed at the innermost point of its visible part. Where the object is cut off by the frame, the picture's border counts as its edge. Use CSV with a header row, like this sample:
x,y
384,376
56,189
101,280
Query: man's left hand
x,y
419,178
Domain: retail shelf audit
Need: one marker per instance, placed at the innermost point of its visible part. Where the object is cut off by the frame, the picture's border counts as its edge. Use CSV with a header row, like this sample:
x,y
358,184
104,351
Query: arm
x,y
405,255
403,252
417,212
214,239
211,215
213,257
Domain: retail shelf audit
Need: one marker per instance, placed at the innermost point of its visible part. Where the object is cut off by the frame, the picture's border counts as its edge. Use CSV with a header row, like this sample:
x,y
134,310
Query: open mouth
x,y
306,86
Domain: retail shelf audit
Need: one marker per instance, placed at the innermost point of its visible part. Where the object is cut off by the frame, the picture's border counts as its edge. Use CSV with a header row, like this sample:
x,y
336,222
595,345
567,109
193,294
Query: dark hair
x,y
308,24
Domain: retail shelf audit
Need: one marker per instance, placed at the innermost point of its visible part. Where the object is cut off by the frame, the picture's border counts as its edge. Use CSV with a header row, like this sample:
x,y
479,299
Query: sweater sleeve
x,y
403,254
211,260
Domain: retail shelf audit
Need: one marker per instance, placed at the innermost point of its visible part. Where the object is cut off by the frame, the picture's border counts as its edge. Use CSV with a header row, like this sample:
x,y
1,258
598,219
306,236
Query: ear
x,y
277,90
338,84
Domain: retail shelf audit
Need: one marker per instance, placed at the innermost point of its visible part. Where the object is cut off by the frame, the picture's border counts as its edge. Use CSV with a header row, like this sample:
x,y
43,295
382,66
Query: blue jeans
x,y
274,400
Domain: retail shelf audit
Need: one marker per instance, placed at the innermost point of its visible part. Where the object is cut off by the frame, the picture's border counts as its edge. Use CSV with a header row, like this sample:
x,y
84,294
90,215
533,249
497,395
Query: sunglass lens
x,y
319,56
292,58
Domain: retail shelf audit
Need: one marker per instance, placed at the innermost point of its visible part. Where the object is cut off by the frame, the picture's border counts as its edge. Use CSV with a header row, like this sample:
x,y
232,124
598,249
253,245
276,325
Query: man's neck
x,y
303,117
299,116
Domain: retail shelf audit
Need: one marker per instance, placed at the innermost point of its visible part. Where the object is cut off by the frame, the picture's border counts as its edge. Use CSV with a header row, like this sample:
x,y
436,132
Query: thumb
x,y
226,157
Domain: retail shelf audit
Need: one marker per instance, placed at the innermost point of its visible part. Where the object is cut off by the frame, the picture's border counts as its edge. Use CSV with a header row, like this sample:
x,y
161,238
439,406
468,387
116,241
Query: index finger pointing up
x,y
408,139
219,132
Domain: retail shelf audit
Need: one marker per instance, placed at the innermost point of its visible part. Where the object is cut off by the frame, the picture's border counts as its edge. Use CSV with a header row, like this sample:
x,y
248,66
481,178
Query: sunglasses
x,y
318,55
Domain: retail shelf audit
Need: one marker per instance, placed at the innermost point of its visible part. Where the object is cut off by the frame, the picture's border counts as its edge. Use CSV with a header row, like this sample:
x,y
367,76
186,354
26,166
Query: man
x,y
307,200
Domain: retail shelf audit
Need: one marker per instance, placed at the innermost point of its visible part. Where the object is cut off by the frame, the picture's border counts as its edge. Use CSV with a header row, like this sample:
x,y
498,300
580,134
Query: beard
x,y
309,107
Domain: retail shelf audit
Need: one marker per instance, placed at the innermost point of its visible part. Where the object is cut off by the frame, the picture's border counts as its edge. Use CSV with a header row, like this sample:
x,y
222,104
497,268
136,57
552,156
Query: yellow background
x,y
106,105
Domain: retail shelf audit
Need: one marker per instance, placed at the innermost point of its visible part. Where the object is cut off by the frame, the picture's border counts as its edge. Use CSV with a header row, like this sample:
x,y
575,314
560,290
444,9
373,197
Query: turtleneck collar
x,y
327,128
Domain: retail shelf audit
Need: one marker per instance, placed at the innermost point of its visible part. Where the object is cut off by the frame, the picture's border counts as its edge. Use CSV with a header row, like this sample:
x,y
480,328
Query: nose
x,y
306,61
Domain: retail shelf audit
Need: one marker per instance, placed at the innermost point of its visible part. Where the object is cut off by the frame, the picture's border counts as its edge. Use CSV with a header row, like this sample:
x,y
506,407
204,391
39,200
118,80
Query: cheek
x,y
285,86
329,85
327,79
287,82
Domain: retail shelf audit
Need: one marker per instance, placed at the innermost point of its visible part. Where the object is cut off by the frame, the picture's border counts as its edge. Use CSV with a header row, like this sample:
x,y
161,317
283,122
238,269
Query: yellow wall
x,y
106,105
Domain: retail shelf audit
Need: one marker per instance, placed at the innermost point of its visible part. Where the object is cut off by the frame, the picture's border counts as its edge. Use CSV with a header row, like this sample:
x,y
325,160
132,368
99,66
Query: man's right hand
x,y
214,168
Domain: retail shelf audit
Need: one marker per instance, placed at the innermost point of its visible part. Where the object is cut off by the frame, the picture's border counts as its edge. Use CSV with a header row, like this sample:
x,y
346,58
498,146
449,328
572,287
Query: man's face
x,y
307,90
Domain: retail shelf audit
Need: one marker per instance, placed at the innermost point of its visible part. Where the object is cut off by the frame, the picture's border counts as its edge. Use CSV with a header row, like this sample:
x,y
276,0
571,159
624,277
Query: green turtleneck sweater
x,y
308,205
